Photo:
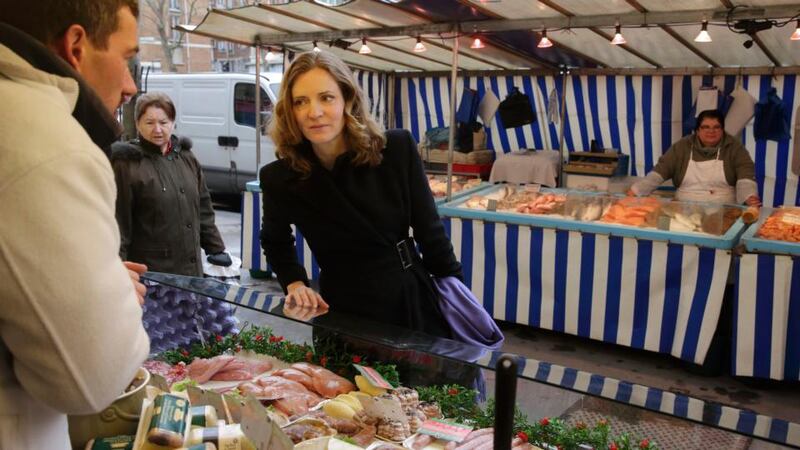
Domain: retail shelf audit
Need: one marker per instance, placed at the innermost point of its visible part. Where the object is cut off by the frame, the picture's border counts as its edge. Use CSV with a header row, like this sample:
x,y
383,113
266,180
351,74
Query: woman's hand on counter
x,y
301,295
753,200
134,271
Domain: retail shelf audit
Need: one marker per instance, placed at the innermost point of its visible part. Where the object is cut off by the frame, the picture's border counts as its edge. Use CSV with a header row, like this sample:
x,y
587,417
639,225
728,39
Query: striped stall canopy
x,y
766,341
252,256
639,115
375,86
637,293
653,399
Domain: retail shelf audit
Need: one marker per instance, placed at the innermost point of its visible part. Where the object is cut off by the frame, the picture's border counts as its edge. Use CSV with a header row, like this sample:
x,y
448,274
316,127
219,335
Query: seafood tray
x,y
461,186
777,231
701,224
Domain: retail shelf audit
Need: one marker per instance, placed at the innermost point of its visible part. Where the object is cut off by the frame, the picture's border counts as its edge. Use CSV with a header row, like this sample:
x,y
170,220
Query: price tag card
x,y
790,218
234,405
389,408
160,382
256,424
441,429
373,377
491,205
533,187
201,397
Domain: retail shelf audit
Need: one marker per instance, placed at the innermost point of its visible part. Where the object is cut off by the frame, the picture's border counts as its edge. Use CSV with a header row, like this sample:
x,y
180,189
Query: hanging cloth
x,y
553,115
740,112
707,98
771,119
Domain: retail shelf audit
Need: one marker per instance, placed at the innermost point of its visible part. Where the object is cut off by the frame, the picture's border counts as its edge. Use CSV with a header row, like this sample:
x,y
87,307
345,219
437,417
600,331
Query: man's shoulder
x,y
36,134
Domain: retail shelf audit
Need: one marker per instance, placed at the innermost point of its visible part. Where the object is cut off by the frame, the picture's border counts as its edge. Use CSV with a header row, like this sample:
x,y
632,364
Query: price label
x,y
791,219
257,425
441,429
491,205
373,377
533,187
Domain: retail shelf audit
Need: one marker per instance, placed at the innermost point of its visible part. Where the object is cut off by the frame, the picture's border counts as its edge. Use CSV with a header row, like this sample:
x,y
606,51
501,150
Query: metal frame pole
x,y
452,143
564,74
258,108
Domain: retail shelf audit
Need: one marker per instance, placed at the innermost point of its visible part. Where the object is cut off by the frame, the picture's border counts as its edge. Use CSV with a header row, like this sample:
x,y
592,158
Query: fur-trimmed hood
x,y
137,148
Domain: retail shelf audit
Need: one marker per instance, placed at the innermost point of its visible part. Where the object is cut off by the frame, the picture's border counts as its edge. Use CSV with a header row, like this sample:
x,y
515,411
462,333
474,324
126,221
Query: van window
x,y
244,104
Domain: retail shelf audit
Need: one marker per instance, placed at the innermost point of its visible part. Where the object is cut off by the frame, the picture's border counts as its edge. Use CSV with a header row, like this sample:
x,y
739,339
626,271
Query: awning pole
x,y
258,108
452,142
564,74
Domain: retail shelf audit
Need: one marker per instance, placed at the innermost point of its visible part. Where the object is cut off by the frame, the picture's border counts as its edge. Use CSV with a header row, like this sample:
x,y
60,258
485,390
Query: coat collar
x,y
89,111
321,190
150,149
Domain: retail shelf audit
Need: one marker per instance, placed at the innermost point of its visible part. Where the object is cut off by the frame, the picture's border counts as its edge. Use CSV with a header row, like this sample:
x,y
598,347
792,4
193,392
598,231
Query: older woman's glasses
x,y
710,127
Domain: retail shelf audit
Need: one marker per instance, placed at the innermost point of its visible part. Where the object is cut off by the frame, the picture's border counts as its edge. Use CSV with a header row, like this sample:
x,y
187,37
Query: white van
x,y
216,110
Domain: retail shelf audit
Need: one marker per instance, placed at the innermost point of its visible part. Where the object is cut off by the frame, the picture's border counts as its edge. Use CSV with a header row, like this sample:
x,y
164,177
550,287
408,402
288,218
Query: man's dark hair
x,y
709,114
48,20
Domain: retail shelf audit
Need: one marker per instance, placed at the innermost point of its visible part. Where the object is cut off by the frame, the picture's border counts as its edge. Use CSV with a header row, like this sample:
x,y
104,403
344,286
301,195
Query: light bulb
x,y
476,43
364,50
316,49
618,39
544,42
419,46
703,36
796,34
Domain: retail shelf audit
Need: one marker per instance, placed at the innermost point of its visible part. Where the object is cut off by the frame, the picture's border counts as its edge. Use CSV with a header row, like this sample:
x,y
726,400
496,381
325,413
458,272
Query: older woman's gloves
x,y
220,259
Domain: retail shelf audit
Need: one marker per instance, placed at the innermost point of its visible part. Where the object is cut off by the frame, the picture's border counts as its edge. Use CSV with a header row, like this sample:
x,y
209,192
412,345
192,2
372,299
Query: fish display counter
x,y
331,380
639,272
766,324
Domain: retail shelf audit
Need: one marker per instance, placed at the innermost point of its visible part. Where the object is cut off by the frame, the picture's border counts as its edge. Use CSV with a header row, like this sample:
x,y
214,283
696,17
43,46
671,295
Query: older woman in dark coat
x,y
164,209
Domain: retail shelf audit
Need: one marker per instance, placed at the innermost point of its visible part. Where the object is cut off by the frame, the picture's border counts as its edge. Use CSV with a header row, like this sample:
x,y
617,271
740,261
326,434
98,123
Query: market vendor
x,y
353,191
708,165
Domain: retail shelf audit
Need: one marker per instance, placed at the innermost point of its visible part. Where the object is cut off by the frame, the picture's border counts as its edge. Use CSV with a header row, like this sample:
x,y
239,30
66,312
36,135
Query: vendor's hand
x,y
753,200
134,271
220,259
301,295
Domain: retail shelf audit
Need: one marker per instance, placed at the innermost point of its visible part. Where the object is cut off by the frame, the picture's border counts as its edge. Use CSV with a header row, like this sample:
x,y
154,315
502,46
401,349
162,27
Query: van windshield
x,y
244,104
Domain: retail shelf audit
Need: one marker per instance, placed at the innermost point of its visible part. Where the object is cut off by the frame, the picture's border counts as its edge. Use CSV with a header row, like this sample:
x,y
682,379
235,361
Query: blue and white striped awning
x,y
766,338
641,116
644,294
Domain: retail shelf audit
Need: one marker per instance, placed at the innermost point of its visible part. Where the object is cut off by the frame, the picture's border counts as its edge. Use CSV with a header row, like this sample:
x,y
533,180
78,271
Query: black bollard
x,y
505,397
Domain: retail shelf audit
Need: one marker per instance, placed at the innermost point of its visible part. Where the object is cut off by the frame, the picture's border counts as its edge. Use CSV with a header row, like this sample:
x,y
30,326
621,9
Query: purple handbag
x,y
468,320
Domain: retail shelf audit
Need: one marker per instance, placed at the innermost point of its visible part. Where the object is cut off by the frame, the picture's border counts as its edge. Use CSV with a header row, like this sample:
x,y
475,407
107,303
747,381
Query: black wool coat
x,y
352,218
164,210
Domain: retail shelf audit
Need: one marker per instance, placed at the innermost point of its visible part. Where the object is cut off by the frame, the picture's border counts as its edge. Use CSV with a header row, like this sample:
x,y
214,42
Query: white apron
x,y
705,182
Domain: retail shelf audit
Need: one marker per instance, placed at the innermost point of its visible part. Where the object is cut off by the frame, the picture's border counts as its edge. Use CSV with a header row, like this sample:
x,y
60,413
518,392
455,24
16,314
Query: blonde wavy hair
x,y
363,135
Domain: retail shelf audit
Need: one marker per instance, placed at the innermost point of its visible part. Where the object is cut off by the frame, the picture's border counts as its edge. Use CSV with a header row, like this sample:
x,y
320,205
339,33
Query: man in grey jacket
x,y
71,336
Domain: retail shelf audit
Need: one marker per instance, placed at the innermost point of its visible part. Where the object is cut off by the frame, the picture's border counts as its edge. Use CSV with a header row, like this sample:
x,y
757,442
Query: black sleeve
x,y
429,232
277,239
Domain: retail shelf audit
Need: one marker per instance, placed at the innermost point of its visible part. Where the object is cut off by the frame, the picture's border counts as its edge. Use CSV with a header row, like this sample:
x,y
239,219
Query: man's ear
x,y
72,46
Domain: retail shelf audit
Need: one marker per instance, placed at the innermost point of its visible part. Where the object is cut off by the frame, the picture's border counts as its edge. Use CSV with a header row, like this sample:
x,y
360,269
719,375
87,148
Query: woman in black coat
x,y
353,192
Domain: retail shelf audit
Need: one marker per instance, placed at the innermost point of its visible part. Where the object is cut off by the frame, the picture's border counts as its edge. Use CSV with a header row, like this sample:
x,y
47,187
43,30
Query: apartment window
x,y
173,23
175,5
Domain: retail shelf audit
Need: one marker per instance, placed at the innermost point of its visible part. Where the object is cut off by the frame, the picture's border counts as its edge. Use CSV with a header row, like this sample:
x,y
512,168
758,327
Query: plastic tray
x,y
724,242
755,244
